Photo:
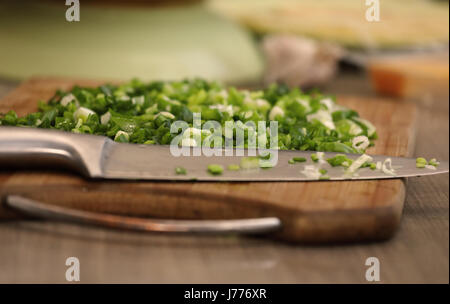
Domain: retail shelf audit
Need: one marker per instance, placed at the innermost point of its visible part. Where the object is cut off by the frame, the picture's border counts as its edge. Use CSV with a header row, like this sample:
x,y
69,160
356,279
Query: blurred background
x,y
302,43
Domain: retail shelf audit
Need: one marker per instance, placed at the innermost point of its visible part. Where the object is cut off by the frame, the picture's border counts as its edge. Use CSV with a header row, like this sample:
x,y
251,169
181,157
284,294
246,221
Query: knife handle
x,y
51,212
31,147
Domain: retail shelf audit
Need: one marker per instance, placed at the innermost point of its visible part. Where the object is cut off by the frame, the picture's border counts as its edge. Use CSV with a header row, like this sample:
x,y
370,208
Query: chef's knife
x,y
101,158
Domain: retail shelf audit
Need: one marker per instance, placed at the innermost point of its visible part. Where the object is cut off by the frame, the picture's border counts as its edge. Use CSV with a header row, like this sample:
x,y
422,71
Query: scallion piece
x,y
121,136
233,167
299,159
180,171
339,160
215,169
421,162
250,162
433,162
265,157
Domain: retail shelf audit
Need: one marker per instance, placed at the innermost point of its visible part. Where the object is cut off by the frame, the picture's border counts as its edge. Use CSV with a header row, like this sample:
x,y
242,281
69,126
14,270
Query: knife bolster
x,y
30,148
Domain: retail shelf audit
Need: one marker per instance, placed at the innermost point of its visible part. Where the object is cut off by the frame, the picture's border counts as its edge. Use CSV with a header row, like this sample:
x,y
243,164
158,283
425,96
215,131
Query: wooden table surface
x,y
35,251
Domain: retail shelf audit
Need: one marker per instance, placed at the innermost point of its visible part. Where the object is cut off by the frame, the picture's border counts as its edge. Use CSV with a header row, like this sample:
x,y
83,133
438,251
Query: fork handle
x,y
52,212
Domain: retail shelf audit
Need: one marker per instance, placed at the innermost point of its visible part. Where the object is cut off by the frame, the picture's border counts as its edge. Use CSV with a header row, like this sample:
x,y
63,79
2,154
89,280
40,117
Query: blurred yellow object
x,y
403,23
409,76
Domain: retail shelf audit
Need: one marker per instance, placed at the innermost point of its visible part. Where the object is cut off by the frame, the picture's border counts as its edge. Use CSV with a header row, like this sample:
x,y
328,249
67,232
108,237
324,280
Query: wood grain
x,y
310,212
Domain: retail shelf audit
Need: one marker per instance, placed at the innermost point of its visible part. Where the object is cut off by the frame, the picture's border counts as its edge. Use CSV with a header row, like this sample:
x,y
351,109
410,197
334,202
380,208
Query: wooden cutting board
x,y
314,212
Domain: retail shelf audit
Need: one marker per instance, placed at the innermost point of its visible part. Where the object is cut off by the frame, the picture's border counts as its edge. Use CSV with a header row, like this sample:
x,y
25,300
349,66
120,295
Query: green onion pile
x,y
138,112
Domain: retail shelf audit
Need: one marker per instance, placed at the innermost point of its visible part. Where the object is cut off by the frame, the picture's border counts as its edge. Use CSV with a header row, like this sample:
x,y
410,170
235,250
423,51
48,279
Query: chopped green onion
x,y
145,111
265,167
366,165
250,162
215,169
234,167
180,171
360,161
265,157
314,157
104,119
433,162
299,159
421,162
291,161
323,171
387,167
340,160
311,171
265,161
82,113
122,136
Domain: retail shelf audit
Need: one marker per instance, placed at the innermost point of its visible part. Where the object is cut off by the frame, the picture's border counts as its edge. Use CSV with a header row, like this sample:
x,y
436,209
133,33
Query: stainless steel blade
x,y
143,162
100,157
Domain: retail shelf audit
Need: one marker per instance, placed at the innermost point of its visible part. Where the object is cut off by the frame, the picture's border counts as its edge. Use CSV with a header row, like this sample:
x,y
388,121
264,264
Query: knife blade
x,y
99,157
